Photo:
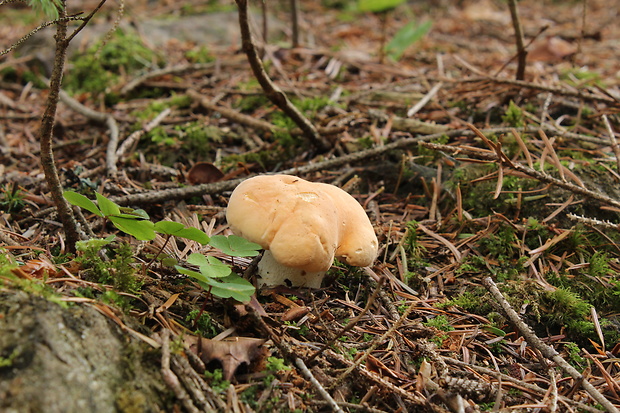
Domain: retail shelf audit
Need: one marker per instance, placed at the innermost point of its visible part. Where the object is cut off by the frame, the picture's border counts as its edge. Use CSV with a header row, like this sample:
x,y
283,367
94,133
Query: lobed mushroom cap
x,y
303,224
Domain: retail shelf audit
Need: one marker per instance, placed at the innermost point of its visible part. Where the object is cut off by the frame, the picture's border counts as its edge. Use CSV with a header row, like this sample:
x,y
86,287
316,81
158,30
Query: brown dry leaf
x,y
231,353
485,10
204,173
39,268
552,49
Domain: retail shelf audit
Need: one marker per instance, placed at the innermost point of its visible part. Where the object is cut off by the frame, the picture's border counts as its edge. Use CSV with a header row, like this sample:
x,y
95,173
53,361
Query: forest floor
x,y
486,193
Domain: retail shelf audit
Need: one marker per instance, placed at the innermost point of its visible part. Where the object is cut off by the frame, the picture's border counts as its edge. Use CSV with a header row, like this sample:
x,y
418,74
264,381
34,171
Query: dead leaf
x,y
39,268
231,352
552,49
204,173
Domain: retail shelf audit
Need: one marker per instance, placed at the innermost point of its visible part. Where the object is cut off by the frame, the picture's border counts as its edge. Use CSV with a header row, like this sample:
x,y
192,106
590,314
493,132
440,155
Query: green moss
x,y
101,66
475,302
514,116
11,198
117,270
199,55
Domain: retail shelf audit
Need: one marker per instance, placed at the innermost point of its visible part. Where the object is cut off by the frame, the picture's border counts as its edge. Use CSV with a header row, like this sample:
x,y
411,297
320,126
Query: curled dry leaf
x,y
204,173
231,352
37,268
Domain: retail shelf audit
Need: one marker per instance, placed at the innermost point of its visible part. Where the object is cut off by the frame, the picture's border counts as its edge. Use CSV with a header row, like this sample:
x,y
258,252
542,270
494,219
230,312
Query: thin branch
x,y
613,140
555,90
547,351
218,187
273,92
15,45
310,377
45,134
295,22
99,117
135,137
252,122
541,176
85,21
521,52
170,378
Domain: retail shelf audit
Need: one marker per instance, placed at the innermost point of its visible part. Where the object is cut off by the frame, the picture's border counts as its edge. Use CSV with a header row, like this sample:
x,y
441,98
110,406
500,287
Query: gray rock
x,y
55,359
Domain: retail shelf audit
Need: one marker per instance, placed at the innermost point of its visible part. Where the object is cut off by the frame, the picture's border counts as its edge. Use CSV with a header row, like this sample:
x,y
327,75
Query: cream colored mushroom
x,y
302,226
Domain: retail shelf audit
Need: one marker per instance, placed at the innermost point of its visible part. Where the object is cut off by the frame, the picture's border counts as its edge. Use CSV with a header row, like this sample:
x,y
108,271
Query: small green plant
x,y
8,361
440,323
514,116
11,199
405,37
217,278
117,269
216,380
199,55
134,222
409,34
574,356
203,324
213,275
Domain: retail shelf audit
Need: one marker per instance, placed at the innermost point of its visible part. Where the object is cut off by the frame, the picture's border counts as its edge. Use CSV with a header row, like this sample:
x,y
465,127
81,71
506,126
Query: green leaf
x,y
135,217
138,213
232,286
93,243
209,266
200,277
81,201
106,206
494,330
405,37
377,6
179,230
235,246
168,227
194,234
49,7
140,229
169,262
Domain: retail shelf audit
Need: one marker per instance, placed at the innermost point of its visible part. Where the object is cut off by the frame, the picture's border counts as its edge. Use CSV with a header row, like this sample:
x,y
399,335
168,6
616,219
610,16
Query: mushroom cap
x,y
303,224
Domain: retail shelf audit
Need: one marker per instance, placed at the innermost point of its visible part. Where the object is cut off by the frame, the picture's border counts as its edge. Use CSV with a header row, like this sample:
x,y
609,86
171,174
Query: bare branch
x,y
273,92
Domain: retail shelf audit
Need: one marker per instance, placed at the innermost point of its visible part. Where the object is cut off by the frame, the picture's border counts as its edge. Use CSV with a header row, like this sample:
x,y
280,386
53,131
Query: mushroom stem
x,y
272,273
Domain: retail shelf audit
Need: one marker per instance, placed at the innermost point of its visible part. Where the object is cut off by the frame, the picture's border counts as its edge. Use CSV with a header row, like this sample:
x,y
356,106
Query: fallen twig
x,y
99,117
547,351
134,137
170,378
273,92
541,176
310,377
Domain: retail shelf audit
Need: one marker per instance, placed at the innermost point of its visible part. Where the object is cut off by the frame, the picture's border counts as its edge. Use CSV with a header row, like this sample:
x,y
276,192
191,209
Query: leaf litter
x,y
452,204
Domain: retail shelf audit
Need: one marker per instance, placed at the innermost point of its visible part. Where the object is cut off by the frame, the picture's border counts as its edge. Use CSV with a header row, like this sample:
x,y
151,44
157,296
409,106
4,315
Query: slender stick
x,y
547,351
324,394
45,133
295,22
273,92
521,52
